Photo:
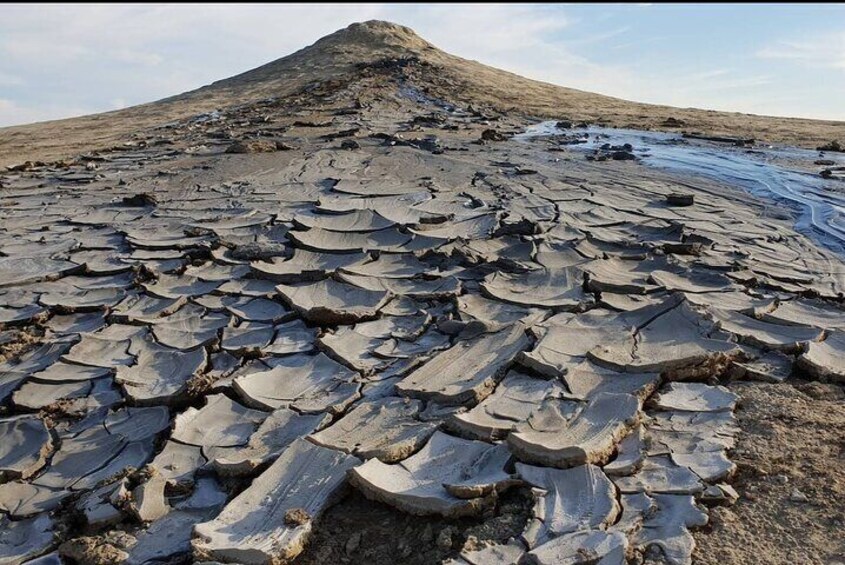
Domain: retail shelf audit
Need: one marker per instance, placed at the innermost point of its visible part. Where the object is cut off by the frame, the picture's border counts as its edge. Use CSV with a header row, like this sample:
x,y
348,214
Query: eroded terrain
x,y
214,333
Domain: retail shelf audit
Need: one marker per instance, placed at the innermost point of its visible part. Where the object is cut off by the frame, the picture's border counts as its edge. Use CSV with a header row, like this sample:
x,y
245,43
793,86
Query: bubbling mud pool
x,y
779,173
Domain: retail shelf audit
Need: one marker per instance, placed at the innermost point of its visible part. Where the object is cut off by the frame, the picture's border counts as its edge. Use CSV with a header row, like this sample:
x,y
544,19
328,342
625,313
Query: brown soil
x,y
25,338
339,58
793,439
360,531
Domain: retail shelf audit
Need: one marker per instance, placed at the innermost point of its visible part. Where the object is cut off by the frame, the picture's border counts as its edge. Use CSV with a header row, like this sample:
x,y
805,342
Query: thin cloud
x,y
12,112
827,51
7,79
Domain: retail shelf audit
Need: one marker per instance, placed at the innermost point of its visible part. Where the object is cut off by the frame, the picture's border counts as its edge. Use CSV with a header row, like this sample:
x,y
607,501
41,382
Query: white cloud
x,y
825,51
471,30
523,39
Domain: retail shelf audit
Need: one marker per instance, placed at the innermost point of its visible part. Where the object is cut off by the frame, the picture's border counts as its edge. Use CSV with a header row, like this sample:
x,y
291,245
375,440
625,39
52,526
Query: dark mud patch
x,y
360,531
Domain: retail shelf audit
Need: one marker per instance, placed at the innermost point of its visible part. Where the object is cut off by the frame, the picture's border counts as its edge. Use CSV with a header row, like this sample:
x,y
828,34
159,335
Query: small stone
x,y
471,544
444,538
492,135
353,543
719,495
623,156
678,199
140,200
798,496
427,535
148,502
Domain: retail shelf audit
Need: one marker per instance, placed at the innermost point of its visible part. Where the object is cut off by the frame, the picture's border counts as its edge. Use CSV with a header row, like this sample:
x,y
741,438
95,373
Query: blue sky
x,y
66,60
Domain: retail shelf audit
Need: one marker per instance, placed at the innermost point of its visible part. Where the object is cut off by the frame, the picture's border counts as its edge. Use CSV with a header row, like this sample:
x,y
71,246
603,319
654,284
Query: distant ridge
x,y
341,58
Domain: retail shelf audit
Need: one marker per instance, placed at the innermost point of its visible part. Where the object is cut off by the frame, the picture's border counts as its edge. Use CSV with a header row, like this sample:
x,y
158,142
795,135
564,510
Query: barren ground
x,y
793,439
181,280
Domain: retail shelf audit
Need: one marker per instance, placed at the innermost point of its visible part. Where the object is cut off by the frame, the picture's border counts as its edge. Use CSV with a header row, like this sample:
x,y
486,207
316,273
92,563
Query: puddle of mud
x,y
783,174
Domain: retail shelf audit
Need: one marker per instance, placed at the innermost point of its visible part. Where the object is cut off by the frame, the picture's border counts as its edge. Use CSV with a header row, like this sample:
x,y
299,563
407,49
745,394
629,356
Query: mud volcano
x,y
335,319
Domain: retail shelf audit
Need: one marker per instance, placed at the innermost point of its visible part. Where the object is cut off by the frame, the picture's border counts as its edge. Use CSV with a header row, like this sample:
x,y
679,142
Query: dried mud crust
x,y
360,531
790,456
255,415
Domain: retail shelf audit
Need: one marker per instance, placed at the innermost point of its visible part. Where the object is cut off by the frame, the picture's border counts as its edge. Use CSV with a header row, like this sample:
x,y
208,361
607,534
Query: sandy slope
x,y
337,57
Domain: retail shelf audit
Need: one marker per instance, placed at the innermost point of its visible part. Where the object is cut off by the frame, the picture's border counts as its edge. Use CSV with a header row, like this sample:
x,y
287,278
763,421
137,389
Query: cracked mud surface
x,y
354,325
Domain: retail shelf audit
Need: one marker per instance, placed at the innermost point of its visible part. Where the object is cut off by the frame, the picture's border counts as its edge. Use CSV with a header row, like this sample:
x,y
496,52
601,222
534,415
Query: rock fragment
x,y
767,335
308,383
695,397
21,540
581,548
25,447
499,554
661,475
675,344
387,429
667,528
771,367
305,265
630,455
575,435
178,462
469,370
513,401
449,476
807,313
568,500
249,338
148,502
330,303
276,432
251,529
825,360
222,422
160,374
561,289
